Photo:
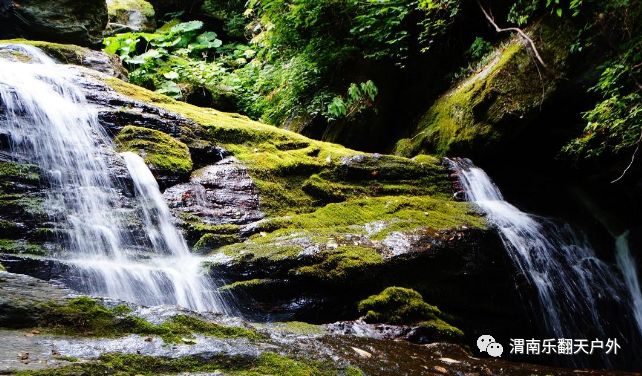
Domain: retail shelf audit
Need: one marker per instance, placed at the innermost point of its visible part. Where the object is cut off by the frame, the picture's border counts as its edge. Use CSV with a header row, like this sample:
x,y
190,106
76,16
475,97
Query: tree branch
x,y
513,29
637,148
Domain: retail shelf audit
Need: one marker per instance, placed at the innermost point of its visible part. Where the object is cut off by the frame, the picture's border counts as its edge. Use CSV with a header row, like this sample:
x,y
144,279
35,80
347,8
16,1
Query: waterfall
x,y
578,295
626,264
50,123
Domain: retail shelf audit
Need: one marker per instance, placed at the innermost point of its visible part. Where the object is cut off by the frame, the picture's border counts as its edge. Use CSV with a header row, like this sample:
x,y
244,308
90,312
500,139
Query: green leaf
x,y
170,88
186,27
171,75
206,41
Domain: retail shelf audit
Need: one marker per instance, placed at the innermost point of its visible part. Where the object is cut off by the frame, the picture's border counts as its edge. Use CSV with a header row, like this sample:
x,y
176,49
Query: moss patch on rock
x,y
19,247
336,221
138,15
115,7
12,173
267,363
398,305
162,152
496,102
295,174
87,317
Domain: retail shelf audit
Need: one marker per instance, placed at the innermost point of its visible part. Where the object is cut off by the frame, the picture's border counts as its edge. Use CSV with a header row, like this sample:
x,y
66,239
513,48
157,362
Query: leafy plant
x,y
176,54
360,96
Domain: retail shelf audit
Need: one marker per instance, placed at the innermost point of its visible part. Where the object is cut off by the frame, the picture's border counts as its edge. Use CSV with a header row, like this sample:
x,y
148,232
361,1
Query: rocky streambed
x,y
304,238
42,343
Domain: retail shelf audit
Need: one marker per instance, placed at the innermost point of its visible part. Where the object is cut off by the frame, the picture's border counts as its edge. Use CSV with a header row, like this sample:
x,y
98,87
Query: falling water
x,y
627,267
50,123
579,296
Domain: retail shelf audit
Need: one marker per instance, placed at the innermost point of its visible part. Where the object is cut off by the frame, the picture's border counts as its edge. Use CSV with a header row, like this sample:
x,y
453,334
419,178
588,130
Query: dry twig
x,y
513,29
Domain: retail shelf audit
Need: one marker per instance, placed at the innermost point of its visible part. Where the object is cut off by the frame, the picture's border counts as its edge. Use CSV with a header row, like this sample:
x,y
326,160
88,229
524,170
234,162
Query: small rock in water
x,y
23,356
361,353
449,360
440,369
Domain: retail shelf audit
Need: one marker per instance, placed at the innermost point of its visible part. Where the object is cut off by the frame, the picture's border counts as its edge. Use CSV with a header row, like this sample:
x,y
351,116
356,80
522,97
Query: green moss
x,y
479,111
295,174
16,247
297,327
209,242
87,317
182,326
248,284
341,263
130,364
118,7
22,205
11,172
65,53
160,150
335,223
397,305
442,329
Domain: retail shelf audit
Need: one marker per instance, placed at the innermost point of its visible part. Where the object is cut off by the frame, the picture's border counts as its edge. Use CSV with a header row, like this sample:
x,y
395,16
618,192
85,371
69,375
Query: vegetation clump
x,y
398,305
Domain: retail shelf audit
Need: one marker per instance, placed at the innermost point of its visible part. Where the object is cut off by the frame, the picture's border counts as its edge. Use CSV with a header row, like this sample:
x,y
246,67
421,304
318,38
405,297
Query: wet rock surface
x,y
21,297
222,193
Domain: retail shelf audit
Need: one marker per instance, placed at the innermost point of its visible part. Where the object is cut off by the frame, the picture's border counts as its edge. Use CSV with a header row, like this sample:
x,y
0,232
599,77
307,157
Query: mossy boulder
x,y
398,305
69,54
78,22
496,103
167,157
131,15
328,214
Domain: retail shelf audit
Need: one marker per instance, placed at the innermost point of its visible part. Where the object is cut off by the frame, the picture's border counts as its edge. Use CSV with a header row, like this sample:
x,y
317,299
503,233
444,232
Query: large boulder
x,y
68,21
496,103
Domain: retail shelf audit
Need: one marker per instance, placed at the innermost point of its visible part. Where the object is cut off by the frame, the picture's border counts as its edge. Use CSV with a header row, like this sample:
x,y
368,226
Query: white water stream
x,y
51,124
577,292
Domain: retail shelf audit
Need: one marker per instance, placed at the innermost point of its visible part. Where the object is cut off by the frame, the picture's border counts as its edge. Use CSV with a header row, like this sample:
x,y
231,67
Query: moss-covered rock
x,y
267,363
131,15
72,54
69,21
295,174
398,305
17,247
85,316
498,101
164,155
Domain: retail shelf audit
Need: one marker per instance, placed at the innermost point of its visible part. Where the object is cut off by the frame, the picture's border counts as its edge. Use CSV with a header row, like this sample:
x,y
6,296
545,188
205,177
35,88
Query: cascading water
x,y
51,124
627,267
578,295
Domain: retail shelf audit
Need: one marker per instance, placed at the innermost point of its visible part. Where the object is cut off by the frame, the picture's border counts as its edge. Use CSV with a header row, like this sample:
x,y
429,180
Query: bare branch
x,y
513,29
637,148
